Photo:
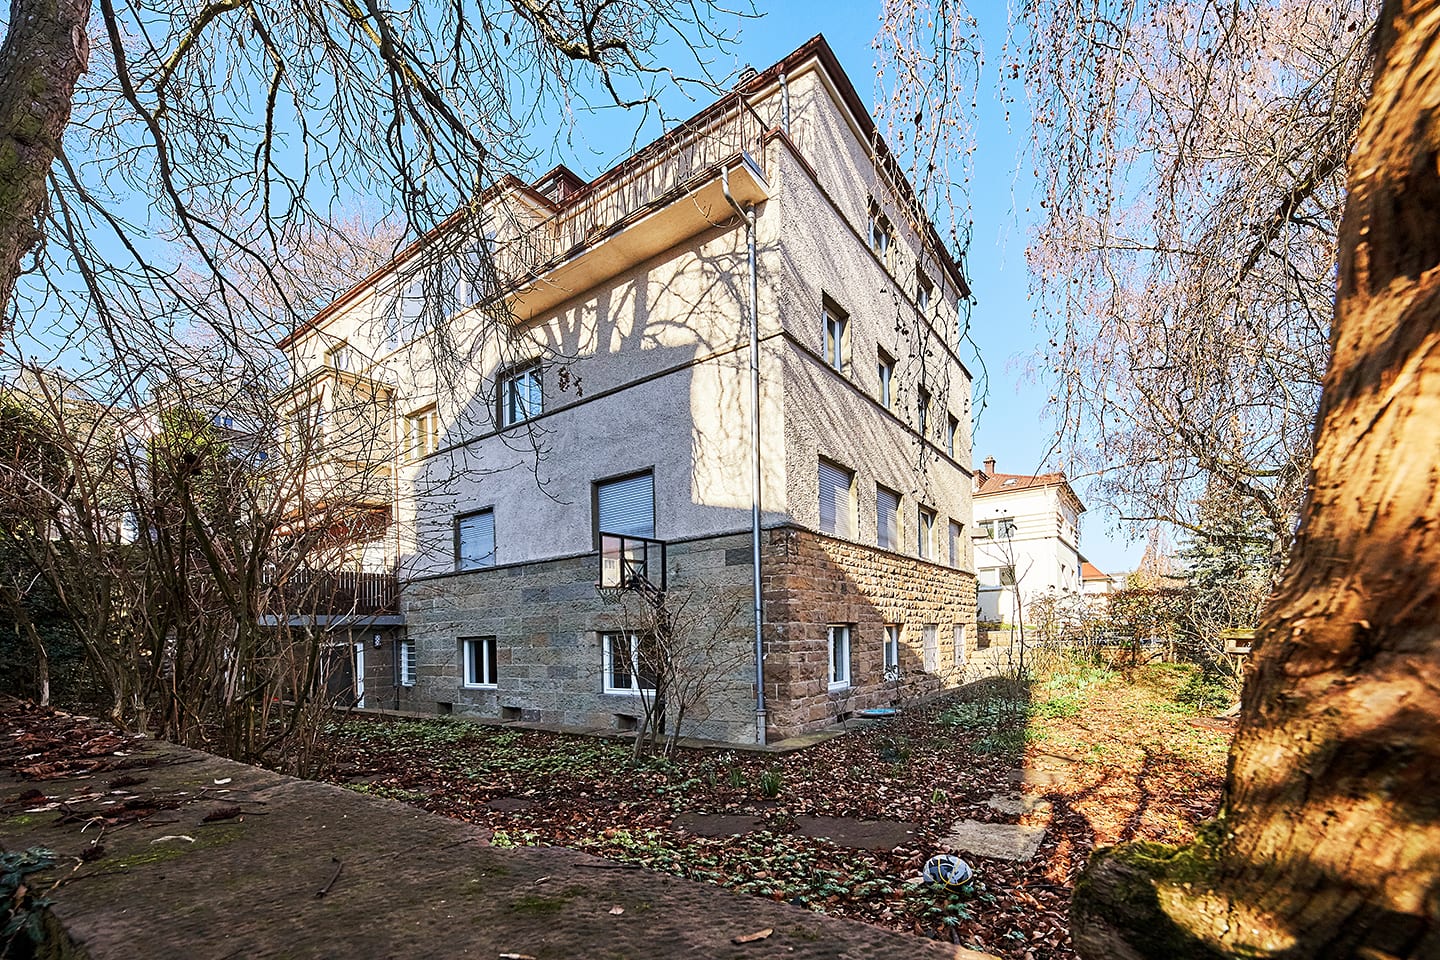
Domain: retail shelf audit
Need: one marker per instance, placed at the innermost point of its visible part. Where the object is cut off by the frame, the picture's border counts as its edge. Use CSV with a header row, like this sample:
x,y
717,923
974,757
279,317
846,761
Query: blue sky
x,y
1014,427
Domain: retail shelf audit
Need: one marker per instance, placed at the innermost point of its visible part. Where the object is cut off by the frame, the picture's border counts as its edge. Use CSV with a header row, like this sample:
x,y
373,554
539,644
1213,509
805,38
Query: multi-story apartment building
x,y
1027,541
738,344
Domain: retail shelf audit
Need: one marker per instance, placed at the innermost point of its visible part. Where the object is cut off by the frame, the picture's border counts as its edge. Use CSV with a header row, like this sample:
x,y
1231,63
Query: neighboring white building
x,y
1095,583
620,404
1027,541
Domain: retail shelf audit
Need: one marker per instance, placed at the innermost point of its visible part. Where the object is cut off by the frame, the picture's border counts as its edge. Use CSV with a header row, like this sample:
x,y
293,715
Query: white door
x,y
359,674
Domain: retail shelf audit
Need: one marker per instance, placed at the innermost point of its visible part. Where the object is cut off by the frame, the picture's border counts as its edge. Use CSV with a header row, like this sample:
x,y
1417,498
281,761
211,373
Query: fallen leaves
x,y
752,937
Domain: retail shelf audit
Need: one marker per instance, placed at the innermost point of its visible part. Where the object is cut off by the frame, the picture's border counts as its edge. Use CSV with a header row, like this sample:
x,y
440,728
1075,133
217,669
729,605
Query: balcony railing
x,y
645,180
336,593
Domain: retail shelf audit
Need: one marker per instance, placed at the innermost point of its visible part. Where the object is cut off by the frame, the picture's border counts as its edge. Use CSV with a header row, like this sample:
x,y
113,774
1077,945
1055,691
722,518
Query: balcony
x,y
662,196
336,598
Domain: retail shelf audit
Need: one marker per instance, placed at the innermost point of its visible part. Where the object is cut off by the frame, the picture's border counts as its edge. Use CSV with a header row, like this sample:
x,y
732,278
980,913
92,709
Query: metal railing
x,y
645,180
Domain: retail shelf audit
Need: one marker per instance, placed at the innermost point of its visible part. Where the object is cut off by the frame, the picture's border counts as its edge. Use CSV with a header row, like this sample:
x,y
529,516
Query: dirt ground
x,y
1095,755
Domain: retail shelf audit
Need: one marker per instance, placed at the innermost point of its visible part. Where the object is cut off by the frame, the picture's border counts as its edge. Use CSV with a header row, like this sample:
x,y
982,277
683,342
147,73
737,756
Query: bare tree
x,y
1325,846
1192,161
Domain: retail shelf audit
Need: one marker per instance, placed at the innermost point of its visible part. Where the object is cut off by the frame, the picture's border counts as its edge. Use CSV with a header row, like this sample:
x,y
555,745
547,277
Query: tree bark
x,y
45,51
1328,843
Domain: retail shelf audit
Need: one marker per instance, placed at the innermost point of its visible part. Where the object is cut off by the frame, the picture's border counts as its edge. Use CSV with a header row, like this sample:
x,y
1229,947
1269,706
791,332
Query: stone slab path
x,y
311,870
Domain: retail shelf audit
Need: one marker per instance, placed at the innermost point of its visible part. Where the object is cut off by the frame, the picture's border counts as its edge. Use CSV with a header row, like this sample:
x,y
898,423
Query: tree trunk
x,y
1328,843
43,55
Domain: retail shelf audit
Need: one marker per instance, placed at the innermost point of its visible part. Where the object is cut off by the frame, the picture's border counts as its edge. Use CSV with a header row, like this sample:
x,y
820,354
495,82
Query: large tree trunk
x,y
43,55
1328,844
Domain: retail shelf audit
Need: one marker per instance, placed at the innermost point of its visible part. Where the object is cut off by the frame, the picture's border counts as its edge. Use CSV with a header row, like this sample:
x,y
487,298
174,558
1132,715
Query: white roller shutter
x,y
627,506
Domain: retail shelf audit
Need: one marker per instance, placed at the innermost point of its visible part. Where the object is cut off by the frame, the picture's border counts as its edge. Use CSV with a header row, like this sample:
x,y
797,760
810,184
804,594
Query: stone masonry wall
x,y
811,581
547,619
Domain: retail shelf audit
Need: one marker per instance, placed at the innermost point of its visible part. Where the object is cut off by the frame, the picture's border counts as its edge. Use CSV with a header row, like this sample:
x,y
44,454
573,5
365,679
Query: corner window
x,y
925,533
520,395
405,655
422,433
836,336
626,506
885,369
478,656
887,519
1007,576
838,637
475,540
892,651
957,544
629,666
882,235
837,500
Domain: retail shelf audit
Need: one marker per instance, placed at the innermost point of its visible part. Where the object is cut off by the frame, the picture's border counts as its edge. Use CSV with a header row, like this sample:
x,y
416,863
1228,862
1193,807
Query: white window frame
x,y
522,395
885,370
340,357
959,652
422,433
882,234
924,532
834,337
489,663
607,651
957,543
892,651
837,638
405,654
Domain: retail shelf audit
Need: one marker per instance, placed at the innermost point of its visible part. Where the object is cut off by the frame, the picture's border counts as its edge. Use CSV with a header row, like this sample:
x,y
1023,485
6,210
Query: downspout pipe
x,y
747,214
785,104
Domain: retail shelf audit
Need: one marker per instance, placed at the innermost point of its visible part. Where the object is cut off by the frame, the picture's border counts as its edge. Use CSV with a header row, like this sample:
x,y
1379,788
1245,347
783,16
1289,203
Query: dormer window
x,y
340,358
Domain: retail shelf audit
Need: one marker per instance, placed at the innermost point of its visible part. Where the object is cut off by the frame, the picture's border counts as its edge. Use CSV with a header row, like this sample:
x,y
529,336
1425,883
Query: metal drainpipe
x,y
785,105
748,215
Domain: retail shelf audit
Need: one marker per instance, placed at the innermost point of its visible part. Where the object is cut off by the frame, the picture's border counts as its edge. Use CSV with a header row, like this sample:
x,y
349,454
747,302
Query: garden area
x,y
1093,755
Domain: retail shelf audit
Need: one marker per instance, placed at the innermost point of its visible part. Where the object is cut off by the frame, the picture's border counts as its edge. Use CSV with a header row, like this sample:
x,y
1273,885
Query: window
x,y
1002,529
930,647
886,371
892,651
952,428
989,576
626,506
882,235
478,656
1007,576
520,395
405,654
960,643
838,636
887,518
922,411
627,663
836,335
957,544
924,292
925,533
422,433
340,357
837,500
475,540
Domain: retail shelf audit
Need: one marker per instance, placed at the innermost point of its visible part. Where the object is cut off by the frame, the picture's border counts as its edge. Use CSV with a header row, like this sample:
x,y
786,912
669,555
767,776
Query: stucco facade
x,y
1027,541
633,346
